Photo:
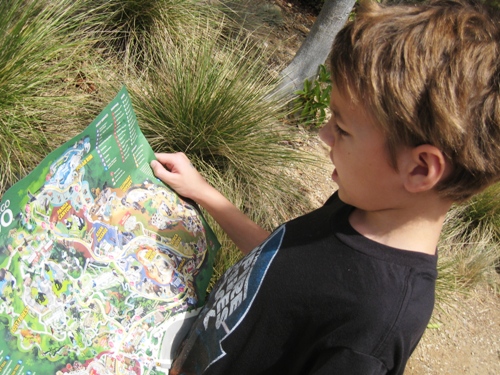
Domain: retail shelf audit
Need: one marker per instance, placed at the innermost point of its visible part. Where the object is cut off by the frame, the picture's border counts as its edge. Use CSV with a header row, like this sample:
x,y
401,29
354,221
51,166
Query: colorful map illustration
x,y
101,265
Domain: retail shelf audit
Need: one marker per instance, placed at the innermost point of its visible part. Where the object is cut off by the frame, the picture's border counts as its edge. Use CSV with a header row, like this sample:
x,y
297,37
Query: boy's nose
x,y
326,134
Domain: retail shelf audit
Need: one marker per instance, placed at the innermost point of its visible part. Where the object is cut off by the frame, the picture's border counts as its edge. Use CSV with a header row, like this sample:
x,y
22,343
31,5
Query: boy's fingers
x,y
165,159
162,156
170,161
159,170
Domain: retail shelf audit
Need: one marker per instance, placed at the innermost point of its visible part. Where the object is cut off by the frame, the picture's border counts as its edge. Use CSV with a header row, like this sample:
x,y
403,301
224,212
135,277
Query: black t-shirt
x,y
315,298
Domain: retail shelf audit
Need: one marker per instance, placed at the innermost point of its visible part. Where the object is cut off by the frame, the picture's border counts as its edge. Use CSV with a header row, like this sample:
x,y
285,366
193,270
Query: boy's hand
x,y
177,171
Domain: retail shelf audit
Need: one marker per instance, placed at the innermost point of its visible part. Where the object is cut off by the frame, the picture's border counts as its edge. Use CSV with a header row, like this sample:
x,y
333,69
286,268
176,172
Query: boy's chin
x,y
342,196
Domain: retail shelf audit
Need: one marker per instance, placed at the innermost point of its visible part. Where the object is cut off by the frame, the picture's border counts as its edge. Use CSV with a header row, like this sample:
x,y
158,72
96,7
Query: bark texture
x,y
316,47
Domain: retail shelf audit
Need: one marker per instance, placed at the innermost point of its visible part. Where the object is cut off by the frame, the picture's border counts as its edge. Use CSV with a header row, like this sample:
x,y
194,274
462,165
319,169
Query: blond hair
x,y
429,74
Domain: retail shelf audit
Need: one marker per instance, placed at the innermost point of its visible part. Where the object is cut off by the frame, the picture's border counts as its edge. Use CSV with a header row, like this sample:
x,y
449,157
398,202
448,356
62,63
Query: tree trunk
x,y
316,47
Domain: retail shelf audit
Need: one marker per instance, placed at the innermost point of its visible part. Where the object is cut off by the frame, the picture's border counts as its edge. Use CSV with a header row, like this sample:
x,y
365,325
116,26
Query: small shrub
x,y
314,99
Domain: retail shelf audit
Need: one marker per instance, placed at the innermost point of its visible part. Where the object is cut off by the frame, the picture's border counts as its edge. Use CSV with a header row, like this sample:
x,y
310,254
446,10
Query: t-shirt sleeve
x,y
346,361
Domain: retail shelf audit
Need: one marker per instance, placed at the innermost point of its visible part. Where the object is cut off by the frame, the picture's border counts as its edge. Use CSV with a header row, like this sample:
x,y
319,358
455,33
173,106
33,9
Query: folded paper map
x,y
102,266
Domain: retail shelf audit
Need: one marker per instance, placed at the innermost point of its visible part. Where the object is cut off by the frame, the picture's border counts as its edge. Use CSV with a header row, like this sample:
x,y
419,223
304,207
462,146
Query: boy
x,y
349,288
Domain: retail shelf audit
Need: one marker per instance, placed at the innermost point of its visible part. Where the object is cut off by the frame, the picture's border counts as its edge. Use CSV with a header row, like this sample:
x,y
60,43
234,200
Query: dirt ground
x,y
466,340
464,335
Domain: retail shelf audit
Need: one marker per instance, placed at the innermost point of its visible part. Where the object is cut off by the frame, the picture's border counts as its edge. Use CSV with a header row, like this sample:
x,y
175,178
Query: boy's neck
x,y
417,229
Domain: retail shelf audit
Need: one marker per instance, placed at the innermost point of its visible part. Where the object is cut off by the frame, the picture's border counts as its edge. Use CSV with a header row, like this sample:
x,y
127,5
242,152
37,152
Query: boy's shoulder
x,y
320,219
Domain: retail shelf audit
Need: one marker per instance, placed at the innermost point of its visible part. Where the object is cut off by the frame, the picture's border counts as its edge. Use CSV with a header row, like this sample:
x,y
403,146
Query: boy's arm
x,y
177,171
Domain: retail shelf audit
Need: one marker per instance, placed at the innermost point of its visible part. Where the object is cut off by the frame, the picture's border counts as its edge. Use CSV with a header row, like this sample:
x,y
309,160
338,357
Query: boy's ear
x,y
426,166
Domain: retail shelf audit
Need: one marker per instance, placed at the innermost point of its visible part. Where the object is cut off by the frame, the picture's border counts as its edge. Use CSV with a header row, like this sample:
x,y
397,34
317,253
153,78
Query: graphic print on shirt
x,y
232,300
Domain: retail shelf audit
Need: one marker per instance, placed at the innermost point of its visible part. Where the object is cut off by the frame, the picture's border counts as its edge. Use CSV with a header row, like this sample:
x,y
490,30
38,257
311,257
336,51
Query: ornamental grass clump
x,y
129,27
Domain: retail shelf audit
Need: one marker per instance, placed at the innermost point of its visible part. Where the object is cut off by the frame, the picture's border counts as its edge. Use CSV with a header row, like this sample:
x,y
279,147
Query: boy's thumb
x,y
158,169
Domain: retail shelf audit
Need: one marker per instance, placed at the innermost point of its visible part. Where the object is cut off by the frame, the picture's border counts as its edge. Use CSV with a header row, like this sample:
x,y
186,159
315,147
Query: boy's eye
x,y
341,132
337,129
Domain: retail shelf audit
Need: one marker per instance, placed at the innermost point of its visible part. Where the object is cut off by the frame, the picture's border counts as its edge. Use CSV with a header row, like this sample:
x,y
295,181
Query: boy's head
x,y
429,74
